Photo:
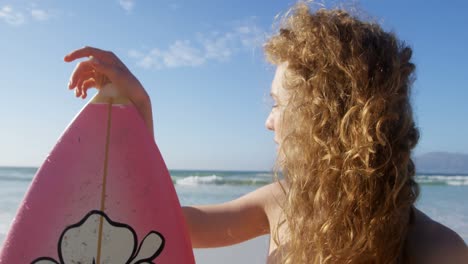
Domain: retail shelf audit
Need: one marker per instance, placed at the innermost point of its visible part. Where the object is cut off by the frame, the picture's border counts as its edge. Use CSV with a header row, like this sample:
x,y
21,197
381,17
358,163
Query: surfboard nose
x,y
107,92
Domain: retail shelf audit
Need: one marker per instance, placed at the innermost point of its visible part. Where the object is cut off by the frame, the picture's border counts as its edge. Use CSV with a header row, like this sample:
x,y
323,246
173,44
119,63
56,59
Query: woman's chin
x,y
277,148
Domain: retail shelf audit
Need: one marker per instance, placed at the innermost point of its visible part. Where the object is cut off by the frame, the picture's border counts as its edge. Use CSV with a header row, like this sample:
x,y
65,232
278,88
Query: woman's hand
x,y
103,67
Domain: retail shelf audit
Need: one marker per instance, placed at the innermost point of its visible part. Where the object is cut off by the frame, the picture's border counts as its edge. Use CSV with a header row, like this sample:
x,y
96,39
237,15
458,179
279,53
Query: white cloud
x,y
211,46
135,54
148,62
11,17
40,14
182,53
249,34
127,4
216,47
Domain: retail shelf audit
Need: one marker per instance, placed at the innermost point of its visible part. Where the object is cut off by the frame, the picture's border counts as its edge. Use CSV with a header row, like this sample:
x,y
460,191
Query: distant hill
x,y
442,162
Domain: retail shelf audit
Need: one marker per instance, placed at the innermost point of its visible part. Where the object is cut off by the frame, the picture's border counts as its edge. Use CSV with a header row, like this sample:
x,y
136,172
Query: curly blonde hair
x,y
348,132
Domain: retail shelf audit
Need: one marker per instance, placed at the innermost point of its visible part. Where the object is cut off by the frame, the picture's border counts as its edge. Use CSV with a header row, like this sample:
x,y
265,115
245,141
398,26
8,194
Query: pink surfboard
x,y
103,195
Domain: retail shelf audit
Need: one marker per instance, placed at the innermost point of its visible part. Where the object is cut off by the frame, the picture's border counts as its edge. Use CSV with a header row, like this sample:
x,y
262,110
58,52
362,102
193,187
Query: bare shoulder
x,y
267,197
270,197
274,195
431,242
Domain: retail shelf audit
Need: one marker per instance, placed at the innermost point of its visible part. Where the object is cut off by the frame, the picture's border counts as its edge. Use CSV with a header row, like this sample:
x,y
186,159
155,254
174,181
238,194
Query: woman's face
x,y
280,97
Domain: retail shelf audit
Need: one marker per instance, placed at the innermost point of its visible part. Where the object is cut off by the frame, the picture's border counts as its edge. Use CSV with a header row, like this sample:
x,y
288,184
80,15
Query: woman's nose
x,y
269,124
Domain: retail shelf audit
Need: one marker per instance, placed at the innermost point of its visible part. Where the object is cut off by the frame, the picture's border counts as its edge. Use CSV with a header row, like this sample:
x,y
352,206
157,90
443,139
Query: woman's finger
x,y
86,52
87,85
77,92
81,90
81,67
85,76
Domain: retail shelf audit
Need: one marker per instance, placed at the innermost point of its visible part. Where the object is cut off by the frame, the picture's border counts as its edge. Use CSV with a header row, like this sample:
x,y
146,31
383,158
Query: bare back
x,y
427,242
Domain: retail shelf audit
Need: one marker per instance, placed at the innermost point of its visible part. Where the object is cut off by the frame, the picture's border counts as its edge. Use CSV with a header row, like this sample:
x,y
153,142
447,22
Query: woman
x,y
344,128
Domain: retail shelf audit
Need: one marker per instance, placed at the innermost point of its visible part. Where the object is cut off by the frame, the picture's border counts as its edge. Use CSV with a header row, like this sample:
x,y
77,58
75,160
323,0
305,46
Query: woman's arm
x,y
144,108
232,222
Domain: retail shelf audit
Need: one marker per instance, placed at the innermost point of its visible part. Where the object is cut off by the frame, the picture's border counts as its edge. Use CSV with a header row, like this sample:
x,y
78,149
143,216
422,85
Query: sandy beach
x,y
253,251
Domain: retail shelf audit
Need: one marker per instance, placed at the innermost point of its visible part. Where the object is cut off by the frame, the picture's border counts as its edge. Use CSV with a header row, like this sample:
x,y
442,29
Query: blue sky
x,y
203,66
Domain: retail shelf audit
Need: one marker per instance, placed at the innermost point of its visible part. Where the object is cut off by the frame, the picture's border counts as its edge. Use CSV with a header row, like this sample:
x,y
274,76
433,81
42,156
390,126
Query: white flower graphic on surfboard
x,y
79,243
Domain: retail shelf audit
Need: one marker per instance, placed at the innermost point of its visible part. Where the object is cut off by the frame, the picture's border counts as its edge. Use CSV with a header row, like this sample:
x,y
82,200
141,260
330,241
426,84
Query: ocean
x,y
443,197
